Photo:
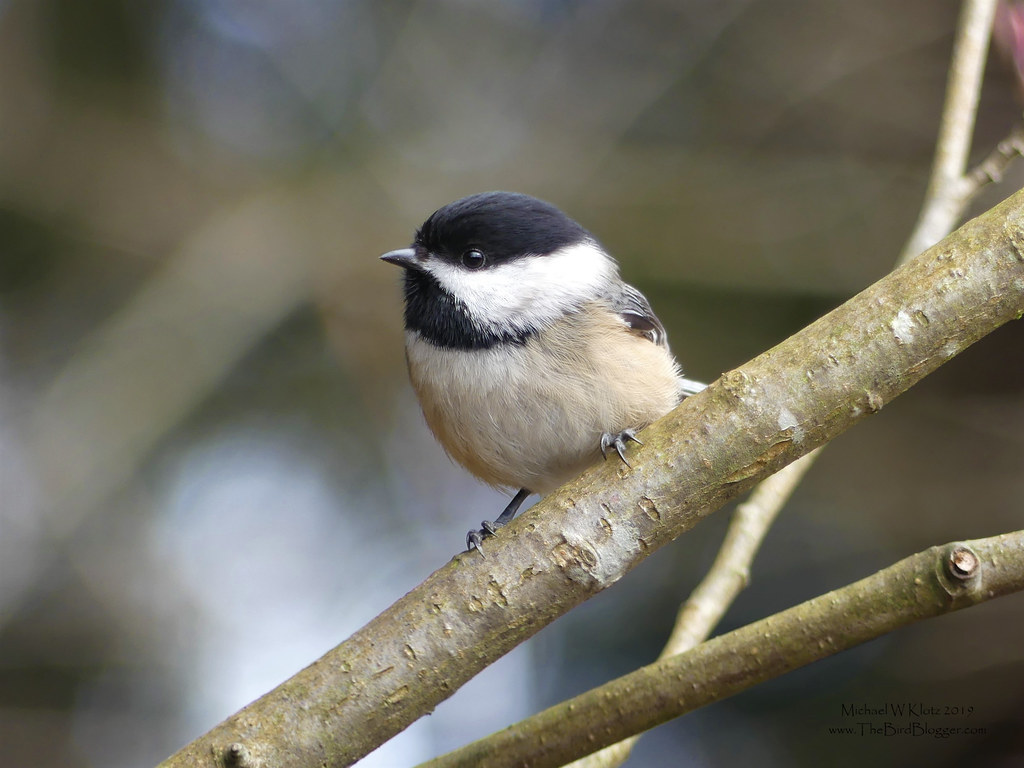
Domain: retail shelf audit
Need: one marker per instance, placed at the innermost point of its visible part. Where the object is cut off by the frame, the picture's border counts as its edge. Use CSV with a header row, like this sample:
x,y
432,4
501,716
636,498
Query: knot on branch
x,y
237,755
960,571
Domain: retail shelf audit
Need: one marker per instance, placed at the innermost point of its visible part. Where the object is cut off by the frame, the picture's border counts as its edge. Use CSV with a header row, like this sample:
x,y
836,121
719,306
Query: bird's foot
x,y
475,538
618,442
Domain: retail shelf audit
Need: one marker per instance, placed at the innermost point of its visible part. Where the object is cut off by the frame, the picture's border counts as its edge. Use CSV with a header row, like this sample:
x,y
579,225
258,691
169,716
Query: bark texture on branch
x,y
584,537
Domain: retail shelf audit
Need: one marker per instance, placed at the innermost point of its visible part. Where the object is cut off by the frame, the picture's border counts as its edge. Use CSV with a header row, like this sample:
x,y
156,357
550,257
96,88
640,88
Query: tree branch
x,y
948,190
930,583
584,537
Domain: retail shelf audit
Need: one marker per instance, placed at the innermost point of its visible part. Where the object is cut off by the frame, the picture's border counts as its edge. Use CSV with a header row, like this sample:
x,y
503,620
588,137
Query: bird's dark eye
x,y
473,259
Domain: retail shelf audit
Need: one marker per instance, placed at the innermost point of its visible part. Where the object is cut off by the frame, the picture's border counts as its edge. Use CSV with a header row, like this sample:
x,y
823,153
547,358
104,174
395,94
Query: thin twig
x,y
730,572
726,578
948,194
991,169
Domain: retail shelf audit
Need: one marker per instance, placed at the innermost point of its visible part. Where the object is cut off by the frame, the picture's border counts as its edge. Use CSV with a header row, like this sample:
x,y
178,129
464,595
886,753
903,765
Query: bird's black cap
x,y
503,225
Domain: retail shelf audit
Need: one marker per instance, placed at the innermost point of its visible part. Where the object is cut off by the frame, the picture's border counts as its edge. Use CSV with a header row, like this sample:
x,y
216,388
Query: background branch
x,y
730,572
948,192
726,578
583,538
930,583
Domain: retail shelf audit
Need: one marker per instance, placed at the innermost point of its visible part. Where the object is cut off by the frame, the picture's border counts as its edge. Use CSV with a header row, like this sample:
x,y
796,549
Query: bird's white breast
x,y
531,415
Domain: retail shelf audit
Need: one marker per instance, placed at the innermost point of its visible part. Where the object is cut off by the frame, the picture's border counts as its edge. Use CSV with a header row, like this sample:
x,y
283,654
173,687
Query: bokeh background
x,y
212,468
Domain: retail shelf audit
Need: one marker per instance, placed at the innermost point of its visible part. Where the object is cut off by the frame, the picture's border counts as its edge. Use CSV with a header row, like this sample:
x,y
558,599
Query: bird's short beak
x,y
403,257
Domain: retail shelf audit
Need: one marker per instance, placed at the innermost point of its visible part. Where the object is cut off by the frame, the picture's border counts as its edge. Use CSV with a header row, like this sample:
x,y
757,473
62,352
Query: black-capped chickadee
x,y
529,355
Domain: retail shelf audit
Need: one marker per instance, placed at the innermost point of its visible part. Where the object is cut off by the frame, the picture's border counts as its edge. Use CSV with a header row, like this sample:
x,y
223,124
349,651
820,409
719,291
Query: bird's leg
x,y
618,442
475,538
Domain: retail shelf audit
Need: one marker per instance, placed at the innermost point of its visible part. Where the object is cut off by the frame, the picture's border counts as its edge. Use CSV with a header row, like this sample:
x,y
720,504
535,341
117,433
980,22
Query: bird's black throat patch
x,y
444,321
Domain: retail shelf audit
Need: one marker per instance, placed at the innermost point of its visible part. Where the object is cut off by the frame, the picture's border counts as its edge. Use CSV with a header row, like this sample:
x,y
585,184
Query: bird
x,y
529,355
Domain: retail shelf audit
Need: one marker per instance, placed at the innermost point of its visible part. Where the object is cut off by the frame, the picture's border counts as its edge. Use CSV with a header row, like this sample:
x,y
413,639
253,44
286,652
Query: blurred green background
x,y
212,467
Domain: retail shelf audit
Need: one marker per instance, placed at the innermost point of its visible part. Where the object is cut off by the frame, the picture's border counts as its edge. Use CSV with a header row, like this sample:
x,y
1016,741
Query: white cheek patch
x,y
531,291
